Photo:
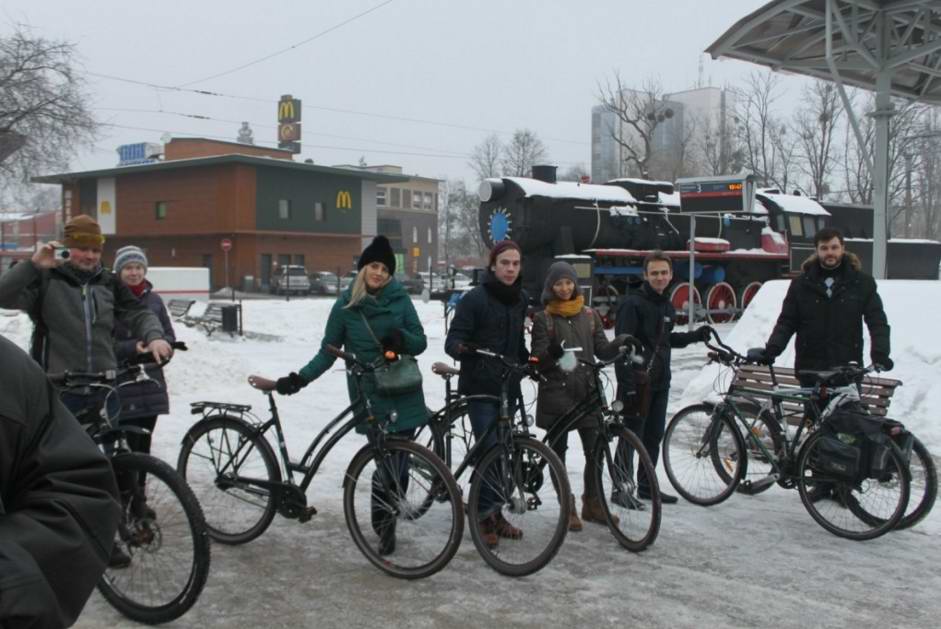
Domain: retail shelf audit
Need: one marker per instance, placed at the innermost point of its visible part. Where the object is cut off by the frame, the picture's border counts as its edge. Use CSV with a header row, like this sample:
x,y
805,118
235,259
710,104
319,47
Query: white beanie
x,y
129,255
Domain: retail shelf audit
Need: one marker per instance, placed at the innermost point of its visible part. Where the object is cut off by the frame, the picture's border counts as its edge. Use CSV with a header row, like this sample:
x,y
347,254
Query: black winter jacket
x,y
58,513
830,329
484,321
650,318
143,399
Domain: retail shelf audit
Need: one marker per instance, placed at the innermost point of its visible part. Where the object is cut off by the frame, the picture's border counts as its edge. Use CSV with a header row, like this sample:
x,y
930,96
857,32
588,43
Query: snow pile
x,y
916,351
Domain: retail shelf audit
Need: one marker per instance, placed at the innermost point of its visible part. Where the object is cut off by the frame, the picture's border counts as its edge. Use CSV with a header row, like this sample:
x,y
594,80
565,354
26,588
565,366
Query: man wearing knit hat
x,y
75,302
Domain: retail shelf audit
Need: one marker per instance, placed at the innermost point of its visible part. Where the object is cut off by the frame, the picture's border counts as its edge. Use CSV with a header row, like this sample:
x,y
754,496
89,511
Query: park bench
x,y
876,393
212,318
179,307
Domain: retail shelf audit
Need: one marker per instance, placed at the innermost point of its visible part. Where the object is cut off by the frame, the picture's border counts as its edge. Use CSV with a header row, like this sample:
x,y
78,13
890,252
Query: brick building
x,y
20,231
274,210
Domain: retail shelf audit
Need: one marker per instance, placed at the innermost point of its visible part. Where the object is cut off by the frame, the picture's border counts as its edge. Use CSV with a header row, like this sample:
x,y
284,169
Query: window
x,y
436,202
429,200
160,210
284,209
429,235
395,197
795,222
406,198
380,196
299,259
810,227
415,235
416,200
207,260
318,212
781,223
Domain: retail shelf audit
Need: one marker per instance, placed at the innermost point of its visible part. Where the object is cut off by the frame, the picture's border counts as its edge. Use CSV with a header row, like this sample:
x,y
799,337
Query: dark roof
x,y
791,36
197,162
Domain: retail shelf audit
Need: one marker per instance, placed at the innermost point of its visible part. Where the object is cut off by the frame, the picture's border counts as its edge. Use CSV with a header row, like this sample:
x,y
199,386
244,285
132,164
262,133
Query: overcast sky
x,y
470,66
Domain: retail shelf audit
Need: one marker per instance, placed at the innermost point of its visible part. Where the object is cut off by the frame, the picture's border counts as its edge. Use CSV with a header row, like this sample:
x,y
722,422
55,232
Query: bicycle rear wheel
x,y
703,454
517,485
403,509
634,523
223,460
854,510
163,532
923,485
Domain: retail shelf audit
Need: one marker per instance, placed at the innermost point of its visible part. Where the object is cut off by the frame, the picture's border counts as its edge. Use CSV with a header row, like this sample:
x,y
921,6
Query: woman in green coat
x,y
373,316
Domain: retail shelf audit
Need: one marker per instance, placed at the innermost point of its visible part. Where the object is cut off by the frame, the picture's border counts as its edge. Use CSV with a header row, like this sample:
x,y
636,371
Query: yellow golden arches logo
x,y
344,200
105,207
285,109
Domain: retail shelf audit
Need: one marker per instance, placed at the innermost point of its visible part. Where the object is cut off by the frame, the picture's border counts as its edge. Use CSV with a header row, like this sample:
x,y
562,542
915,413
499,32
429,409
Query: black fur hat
x,y
379,250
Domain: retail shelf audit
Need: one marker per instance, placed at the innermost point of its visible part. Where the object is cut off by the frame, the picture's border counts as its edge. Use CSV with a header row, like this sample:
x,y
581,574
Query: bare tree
x,y
463,211
44,111
638,112
816,123
522,151
765,147
575,172
485,157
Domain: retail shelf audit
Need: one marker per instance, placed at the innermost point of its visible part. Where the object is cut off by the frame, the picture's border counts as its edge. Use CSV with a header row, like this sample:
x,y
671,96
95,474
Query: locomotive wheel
x,y
748,293
679,297
720,303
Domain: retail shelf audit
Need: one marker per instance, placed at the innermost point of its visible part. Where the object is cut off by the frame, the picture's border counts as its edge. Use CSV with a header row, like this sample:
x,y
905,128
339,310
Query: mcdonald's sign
x,y
289,109
344,199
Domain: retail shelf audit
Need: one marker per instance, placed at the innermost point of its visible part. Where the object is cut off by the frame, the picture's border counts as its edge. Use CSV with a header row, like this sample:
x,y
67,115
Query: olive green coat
x,y
388,310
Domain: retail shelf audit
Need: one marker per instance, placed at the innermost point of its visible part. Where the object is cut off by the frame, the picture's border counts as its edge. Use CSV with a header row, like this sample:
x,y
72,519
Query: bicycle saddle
x,y
444,370
262,384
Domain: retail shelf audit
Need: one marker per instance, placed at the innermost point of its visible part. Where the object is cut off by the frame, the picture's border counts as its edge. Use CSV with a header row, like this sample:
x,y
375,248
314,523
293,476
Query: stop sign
x,y
226,244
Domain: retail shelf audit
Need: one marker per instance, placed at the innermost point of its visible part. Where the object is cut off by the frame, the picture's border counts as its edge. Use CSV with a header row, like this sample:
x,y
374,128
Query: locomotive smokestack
x,y
544,172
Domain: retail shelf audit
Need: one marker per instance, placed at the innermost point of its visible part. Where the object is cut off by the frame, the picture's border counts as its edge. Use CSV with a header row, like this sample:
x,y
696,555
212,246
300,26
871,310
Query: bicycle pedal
x,y
306,514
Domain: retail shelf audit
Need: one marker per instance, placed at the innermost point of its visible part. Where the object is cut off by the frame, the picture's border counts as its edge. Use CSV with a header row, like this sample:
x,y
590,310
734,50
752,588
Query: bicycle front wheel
x,y
525,490
703,455
163,532
634,523
855,510
226,464
924,485
403,509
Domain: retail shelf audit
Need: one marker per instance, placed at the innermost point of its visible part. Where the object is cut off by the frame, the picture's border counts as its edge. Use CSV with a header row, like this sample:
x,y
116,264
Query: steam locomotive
x,y
726,235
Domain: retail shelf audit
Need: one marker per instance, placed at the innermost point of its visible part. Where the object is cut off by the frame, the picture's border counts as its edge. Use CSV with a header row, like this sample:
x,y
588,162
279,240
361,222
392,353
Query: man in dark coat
x,y
58,513
490,316
648,315
826,306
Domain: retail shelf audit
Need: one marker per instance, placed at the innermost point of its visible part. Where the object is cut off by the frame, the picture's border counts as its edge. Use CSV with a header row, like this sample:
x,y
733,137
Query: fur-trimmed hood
x,y
848,257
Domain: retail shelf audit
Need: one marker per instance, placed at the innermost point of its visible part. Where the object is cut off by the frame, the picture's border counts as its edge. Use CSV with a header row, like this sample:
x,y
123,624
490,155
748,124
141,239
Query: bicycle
x,y
707,449
162,528
512,471
402,490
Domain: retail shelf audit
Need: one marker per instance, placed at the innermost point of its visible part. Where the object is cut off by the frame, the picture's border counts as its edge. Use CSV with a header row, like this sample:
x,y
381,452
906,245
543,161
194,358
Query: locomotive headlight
x,y
490,189
617,406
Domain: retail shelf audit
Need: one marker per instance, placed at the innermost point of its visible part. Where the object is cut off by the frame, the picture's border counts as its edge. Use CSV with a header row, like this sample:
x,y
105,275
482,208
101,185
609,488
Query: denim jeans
x,y
650,430
483,413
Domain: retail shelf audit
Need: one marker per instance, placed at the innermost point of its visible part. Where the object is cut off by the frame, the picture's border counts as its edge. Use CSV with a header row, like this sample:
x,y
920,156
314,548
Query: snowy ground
x,y
752,561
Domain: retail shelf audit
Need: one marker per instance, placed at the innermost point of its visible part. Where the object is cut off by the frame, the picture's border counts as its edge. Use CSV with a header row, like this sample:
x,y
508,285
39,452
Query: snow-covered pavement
x,y
751,561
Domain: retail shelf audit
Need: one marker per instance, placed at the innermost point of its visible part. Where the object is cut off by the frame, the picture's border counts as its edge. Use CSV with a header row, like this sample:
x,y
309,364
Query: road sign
x,y
226,244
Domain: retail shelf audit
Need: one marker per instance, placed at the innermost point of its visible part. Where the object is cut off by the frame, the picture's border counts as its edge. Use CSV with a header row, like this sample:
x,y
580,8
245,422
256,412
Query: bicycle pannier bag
x,y
835,457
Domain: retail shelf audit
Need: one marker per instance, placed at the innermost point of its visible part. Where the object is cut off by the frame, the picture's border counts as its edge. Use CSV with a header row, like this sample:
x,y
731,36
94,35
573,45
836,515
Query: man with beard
x,y
491,317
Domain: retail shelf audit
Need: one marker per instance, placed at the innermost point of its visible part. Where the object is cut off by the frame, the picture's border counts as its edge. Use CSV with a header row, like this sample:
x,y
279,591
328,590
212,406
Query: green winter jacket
x,y
390,309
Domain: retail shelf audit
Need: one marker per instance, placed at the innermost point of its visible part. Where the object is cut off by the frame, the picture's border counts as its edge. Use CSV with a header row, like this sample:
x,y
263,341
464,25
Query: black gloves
x,y
759,355
626,340
393,342
466,348
290,384
704,333
555,350
882,362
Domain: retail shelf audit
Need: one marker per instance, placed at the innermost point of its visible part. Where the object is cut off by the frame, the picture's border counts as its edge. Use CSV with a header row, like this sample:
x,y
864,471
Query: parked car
x,y
347,279
324,283
290,279
413,284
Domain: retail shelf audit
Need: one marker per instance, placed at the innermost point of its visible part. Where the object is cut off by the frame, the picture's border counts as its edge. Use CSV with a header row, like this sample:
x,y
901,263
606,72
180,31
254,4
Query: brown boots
x,y
495,526
575,524
593,511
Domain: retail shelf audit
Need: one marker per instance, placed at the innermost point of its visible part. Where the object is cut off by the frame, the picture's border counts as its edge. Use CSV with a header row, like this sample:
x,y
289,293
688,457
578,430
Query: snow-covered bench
x,y
876,393
179,307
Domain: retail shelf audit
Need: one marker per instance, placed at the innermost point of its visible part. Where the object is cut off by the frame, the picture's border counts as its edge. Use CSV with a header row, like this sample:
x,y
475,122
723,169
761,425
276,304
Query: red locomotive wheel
x,y
720,303
680,300
748,293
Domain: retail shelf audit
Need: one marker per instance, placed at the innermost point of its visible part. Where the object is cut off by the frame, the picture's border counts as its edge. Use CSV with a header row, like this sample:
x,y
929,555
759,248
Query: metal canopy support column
x,y
880,172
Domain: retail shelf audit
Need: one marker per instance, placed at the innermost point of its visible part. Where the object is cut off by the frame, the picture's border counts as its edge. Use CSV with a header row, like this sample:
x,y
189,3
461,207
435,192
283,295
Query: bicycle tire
x,y
176,516
831,514
634,524
449,515
923,486
764,426
696,437
236,511
528,460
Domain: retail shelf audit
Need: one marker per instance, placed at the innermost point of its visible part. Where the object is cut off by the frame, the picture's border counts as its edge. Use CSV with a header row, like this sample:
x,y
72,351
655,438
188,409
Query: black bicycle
x,y
707,450
511,473
162,529
402,506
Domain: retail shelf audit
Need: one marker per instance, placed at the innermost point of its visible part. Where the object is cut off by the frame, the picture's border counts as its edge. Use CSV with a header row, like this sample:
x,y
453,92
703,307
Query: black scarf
x,y
652,295
506,295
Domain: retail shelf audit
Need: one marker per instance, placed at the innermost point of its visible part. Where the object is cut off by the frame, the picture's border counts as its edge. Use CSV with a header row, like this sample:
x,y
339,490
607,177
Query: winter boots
x,y
575,523
593,511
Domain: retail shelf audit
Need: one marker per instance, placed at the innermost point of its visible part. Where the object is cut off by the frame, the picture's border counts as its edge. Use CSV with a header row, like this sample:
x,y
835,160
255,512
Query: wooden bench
x,y
211,319
876,393
179,307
